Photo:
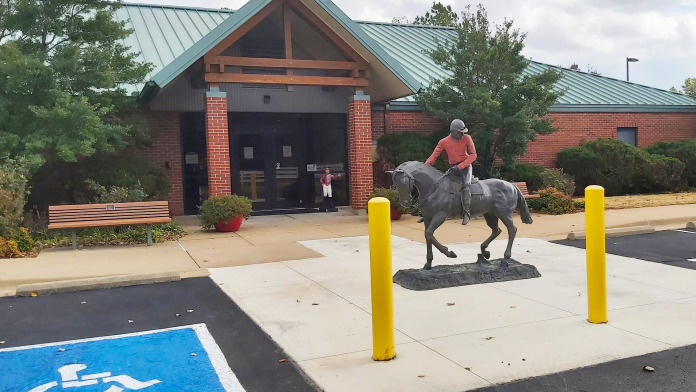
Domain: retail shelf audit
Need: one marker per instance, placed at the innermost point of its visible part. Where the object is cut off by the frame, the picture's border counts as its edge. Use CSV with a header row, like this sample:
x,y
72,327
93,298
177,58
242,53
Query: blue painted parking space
x,y
175,359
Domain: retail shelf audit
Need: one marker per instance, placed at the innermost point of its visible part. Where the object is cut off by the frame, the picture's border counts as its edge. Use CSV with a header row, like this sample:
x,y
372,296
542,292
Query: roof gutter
x,y
560,108
149,91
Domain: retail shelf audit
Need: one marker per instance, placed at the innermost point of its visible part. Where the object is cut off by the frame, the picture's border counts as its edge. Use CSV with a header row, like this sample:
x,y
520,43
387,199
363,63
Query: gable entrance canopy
x,y
366,67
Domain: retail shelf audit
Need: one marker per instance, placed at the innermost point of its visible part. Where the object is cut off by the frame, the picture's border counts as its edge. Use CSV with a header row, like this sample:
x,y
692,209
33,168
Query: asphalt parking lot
x,y
670,247
166,326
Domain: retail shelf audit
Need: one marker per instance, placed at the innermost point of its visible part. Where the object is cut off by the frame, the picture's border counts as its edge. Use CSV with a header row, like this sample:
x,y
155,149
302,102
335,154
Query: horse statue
x,y
439,198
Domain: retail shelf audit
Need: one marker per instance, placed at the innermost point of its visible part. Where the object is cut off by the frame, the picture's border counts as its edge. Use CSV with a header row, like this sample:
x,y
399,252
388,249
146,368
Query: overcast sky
x,y
595,34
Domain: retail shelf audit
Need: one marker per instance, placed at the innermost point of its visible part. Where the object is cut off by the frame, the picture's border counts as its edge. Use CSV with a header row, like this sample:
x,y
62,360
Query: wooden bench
x,y
77,216
522,186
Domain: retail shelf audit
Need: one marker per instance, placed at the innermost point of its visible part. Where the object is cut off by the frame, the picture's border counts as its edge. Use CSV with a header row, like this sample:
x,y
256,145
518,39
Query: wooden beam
x,y
285,63
285,79
287,22
243,29
313,20
287,27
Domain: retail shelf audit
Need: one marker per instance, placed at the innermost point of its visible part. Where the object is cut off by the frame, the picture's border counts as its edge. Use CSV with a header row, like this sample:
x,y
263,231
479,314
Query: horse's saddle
x,y
458,184
476,187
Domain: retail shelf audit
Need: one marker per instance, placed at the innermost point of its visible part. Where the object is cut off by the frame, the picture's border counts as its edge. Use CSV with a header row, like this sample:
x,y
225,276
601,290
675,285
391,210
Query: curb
x,y
65,286
615,232
657,222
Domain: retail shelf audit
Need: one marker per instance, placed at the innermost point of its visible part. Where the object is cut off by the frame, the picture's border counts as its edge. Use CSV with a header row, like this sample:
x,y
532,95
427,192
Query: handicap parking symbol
x,y
176,359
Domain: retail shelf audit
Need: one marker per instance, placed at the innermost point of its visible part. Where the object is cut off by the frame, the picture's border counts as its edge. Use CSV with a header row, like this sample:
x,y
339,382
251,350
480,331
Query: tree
x,y
689,87
61,67
439,15
503,108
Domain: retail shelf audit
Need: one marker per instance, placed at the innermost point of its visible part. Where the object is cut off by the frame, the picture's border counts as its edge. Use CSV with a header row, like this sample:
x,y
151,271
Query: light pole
x,y
629,60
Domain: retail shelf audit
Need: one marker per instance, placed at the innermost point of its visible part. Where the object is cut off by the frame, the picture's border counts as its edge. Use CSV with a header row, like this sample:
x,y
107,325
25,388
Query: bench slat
x,y
103,205
88,214
107,218
120,222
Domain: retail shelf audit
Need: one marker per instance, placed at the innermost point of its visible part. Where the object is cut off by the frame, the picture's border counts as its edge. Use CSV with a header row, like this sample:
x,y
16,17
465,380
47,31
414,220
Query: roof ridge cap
x,y
181,7
405,25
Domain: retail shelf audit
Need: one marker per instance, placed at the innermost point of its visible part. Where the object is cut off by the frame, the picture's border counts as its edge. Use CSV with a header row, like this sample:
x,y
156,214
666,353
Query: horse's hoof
x,y
504,263
486,254
427,267
451,255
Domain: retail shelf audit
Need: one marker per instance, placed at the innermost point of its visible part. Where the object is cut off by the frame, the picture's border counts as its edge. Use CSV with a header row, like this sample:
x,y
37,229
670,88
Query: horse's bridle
x,y
411,180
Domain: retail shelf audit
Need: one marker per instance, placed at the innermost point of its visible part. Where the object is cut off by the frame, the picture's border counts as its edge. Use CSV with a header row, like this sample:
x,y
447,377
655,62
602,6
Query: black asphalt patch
x,y
250,353
671,247
673,373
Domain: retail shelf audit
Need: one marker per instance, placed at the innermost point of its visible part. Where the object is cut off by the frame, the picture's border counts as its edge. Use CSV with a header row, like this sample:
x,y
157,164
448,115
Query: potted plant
x,y
225,213
392,195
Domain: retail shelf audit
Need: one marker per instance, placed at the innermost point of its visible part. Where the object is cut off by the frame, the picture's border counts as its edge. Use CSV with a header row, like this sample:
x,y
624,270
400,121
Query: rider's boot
x,y
466,205
324,204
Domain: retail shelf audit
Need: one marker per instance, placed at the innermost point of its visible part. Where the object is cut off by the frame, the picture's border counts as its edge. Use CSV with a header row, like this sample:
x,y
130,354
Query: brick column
x,y
218,142
360,150
166,152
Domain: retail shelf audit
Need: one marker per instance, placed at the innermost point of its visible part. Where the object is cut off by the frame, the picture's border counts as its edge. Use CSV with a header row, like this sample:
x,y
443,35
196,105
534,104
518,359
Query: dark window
x,y
627,135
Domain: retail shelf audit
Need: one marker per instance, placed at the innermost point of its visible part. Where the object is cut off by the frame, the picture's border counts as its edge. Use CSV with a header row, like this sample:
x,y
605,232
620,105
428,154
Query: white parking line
x,y
685,231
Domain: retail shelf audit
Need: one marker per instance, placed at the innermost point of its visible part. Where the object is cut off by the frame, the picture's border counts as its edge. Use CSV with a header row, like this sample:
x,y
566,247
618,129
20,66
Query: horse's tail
x,y
522,205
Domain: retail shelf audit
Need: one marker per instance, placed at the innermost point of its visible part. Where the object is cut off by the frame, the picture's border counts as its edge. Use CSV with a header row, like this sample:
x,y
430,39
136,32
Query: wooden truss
x,y
356,68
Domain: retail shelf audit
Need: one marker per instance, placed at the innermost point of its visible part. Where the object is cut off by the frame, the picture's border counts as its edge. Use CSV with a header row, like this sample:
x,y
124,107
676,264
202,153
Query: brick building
x,y
259,100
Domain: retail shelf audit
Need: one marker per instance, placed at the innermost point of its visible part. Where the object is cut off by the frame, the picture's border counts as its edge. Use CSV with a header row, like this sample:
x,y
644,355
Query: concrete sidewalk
x,y
275,238
460,338
305,280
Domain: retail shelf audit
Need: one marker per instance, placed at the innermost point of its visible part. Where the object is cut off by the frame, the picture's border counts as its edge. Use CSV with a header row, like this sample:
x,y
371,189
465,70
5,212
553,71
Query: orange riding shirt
x,y
461,152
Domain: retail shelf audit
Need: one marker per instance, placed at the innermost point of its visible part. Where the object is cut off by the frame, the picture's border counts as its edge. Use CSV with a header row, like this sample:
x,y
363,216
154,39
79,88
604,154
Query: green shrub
x,y
117,235
620,168
555,178
524,172
65,182
223,208
684,150
554,202
397,148
116,194
24,240
390,194
13,193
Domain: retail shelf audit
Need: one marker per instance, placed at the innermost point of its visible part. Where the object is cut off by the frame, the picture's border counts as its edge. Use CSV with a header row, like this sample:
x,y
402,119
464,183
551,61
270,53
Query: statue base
x,y
483,271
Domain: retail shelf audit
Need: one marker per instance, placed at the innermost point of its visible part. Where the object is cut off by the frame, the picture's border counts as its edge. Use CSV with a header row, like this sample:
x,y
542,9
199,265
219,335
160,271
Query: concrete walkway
x,y
266,239
305,280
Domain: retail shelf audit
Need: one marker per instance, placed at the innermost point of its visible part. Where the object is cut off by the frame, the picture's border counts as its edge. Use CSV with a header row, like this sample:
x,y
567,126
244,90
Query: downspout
x,y
386,118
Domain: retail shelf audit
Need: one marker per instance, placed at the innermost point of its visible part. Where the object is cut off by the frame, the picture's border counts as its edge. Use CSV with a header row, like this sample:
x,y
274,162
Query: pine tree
x,y
488,89
62,68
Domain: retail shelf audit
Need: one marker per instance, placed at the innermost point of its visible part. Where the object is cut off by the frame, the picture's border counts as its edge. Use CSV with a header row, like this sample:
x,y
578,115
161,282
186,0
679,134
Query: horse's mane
x,y
416,166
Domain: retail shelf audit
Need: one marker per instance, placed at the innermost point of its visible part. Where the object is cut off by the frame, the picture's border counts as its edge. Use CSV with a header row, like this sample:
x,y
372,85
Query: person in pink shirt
x,y
461,153
325,181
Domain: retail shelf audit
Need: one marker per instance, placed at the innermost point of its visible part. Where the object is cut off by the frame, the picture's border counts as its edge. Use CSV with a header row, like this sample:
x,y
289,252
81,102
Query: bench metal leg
x,y
74,239
149,235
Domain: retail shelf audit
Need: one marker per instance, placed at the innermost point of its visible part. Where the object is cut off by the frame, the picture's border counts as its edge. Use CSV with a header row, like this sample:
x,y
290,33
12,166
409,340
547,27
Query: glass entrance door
x,y
269,167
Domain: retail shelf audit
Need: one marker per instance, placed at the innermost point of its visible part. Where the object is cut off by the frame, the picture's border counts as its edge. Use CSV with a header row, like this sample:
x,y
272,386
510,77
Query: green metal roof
x,y
584,91
172,38
163,33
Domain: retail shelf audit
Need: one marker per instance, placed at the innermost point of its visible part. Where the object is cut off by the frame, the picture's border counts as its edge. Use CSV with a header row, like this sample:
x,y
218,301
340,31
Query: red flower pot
x,y
395,213
232,225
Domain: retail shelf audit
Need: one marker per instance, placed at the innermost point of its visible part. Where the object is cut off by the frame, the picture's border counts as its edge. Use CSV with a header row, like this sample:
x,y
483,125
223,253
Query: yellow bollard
x,y
596,254
381,278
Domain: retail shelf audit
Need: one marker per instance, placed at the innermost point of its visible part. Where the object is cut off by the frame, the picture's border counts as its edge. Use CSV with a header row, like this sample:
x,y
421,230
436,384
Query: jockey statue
x,y
461,153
